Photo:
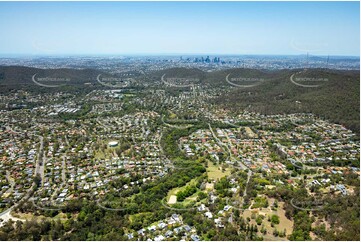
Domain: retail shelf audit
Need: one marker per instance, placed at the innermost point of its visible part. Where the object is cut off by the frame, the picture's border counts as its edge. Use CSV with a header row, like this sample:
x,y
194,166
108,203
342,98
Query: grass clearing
x,y
30,216
132,217
215,172
107,153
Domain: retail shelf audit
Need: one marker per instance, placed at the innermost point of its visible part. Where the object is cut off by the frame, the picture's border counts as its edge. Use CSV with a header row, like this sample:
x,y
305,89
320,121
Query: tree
x,y
275,219
37,180
259,220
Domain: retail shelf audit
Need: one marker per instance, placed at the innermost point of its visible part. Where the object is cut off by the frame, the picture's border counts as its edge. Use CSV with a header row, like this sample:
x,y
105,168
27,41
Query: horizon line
x,y
2,55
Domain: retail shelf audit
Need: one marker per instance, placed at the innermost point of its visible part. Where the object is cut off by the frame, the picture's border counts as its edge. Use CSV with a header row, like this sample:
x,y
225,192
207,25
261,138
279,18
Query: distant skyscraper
x,y
328,58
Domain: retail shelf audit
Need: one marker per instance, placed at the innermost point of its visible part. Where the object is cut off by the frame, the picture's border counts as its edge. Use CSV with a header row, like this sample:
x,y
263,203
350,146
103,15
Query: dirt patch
x,y
172,199
209,186
284,225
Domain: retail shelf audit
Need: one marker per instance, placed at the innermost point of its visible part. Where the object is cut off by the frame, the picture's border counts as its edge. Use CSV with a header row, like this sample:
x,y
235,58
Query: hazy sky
x,y
74,28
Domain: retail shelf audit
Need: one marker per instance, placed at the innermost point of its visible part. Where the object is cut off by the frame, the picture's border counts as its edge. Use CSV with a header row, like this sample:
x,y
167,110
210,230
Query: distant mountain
x,y
19,75
13,78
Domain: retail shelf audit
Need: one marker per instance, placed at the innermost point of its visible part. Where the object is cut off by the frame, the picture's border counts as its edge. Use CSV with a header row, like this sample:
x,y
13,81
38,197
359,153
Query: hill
x,y
330,94
19,77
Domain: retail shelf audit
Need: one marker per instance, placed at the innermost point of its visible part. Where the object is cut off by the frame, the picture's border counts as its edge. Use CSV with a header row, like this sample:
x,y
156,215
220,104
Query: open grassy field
x,y
29,216
101,153
132,217
215,172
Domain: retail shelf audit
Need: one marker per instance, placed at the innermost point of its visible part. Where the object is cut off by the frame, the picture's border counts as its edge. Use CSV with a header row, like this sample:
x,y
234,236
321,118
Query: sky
x,y
152,28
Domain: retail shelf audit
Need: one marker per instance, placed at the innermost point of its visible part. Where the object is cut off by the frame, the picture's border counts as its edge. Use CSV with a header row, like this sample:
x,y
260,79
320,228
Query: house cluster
x,y
77,165
190,101
180,81
332,179
172,228
57,109
21,99
201,142
300,138
319,142
254,153
71,160
17,164
218,217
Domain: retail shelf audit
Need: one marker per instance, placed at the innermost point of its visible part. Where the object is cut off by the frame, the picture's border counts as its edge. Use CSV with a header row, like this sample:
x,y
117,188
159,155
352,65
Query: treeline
x,y
188,191
170,139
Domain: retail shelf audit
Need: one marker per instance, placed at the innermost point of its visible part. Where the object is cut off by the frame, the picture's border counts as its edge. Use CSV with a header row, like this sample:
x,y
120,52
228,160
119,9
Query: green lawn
x,y
214,172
